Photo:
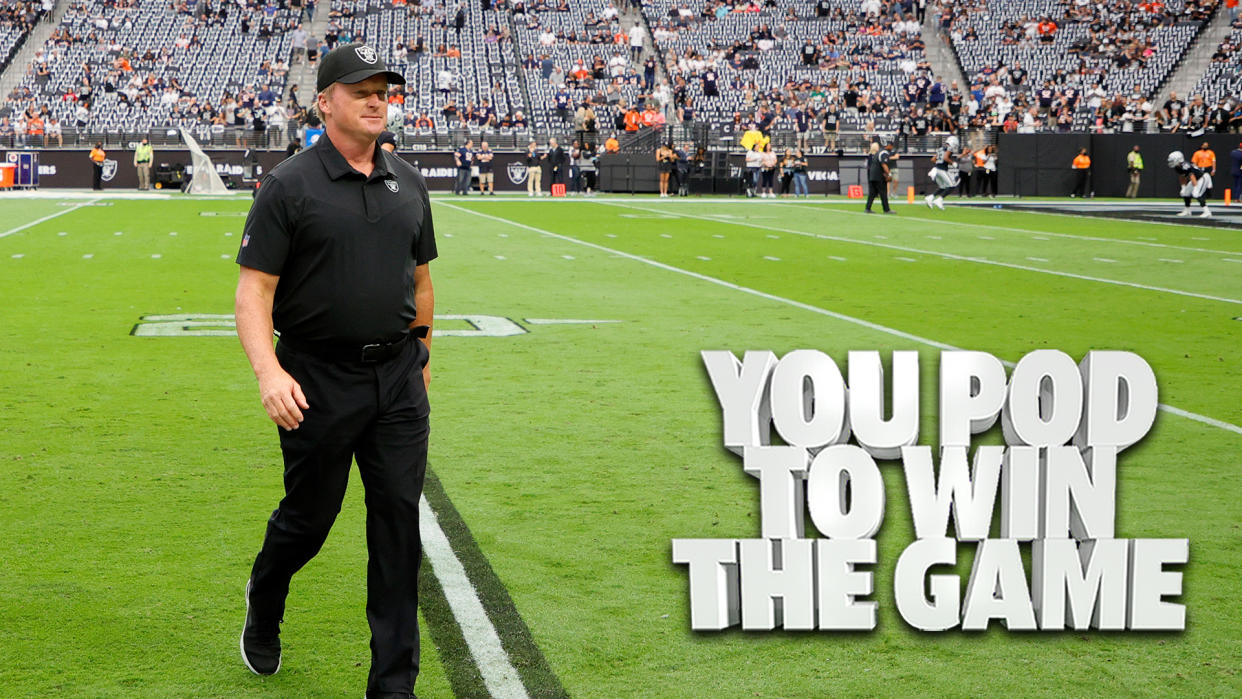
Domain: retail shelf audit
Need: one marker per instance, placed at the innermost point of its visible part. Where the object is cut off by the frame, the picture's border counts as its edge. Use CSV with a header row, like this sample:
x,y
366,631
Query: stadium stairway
x,y
302,74
939,53
16,72
1195,60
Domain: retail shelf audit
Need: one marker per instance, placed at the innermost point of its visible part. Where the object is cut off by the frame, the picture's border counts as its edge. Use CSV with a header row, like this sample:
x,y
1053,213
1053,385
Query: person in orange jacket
x,y
1082,169
97,161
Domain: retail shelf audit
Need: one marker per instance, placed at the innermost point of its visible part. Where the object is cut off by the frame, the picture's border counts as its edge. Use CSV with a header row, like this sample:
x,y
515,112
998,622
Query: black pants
x,y
1080,184
378,414
97,176
878,188
963,185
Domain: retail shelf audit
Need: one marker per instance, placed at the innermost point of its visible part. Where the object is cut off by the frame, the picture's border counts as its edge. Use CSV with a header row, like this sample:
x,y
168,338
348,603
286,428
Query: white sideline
x,y
49,217
947,255
499,675
1213,422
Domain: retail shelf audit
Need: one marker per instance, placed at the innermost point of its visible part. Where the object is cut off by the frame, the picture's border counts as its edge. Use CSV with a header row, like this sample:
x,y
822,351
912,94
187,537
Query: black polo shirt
x,y
344,246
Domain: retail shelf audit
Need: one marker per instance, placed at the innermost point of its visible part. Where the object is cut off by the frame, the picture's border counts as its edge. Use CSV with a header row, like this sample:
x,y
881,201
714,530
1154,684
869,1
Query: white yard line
x,y
1092,238
951,256
49,217
499,675
1229,427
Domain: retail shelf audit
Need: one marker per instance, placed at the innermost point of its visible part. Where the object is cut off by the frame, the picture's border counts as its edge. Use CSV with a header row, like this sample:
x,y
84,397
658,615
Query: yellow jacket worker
x,y
143,155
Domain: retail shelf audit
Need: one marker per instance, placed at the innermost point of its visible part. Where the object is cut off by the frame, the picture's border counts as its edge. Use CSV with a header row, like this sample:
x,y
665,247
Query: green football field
x,y
574,435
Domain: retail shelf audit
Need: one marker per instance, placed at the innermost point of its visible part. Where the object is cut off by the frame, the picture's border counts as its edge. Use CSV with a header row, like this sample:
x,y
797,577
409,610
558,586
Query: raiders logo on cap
x,y
367,54
353,63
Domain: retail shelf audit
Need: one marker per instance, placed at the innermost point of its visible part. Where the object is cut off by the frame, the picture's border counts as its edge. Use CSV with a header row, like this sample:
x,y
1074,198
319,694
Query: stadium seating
x,y
1127,48
855,48
484,67
16,21
1223,79
153,65
129,55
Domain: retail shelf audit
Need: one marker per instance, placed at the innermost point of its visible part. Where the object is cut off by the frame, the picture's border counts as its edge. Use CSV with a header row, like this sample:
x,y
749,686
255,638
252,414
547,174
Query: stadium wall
x,y
1039,164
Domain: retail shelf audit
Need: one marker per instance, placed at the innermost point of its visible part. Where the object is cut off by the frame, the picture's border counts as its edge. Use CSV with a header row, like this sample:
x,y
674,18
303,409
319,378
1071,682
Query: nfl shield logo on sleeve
x,y
245,240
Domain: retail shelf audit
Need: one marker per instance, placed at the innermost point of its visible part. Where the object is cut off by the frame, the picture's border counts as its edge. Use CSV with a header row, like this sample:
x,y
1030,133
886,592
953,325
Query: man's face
x,y
358,110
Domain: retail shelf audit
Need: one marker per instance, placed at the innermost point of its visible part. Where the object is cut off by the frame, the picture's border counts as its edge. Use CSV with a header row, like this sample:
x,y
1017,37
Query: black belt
x,y
370,353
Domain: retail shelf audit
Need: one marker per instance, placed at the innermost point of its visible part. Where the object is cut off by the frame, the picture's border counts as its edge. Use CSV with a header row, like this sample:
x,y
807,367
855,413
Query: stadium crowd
x,y
803,67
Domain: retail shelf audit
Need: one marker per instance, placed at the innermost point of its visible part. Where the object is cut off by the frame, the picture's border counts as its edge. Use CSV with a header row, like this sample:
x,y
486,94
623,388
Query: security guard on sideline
x,y
143,155
334,257
1134,163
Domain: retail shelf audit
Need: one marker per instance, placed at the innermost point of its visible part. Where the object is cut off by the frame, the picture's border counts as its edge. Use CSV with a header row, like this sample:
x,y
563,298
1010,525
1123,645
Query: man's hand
x,y
282,398
426,376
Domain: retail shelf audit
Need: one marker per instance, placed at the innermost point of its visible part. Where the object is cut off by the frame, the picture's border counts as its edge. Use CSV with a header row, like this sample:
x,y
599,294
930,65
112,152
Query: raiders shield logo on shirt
x,y
367,54
392,185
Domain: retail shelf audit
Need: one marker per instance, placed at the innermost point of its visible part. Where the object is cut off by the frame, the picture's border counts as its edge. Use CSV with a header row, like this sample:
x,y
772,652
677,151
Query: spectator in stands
x,y
54,132
612,145
1082,171
1172,113
636,34
1218,119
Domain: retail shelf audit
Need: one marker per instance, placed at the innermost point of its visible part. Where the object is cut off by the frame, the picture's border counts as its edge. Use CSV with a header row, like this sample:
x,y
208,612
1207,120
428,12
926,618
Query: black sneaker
x,y
260,643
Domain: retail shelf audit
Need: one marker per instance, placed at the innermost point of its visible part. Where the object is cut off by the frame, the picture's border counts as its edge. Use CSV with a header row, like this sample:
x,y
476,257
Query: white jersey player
x,y
1196,183
944,173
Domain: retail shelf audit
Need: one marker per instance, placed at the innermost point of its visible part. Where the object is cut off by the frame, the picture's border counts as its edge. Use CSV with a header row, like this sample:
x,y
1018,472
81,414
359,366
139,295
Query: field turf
x,y
136,471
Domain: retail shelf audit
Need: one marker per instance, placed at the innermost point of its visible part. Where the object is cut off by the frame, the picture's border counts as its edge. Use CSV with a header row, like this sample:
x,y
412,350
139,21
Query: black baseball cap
x,y
353,63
